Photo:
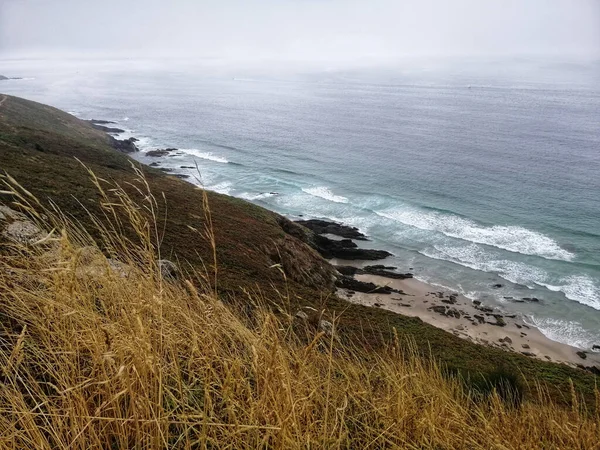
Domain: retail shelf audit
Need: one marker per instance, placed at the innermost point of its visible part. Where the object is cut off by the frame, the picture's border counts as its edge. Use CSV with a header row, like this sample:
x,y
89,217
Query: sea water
x,y
472,173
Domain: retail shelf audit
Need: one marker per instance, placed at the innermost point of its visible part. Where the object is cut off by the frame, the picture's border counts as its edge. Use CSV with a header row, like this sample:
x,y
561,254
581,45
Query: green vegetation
x,y
261,261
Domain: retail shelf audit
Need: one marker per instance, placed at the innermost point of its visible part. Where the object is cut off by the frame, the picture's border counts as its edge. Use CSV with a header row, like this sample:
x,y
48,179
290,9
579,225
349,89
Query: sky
x,y
300,30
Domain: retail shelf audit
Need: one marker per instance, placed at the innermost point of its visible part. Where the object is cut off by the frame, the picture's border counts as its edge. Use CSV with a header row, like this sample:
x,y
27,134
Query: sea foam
x,y
325,193
204,155
512,238
579,288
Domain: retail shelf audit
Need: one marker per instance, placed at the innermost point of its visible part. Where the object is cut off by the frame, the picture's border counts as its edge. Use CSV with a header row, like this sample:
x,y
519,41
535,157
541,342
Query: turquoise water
x,y
471,173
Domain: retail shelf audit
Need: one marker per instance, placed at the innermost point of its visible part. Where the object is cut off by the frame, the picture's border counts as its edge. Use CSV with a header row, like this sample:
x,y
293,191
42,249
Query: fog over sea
x,y
472,173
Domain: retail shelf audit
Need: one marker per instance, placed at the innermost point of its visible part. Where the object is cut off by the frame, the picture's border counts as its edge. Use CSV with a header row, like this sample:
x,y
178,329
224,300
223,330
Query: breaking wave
x,y
325,193
512,238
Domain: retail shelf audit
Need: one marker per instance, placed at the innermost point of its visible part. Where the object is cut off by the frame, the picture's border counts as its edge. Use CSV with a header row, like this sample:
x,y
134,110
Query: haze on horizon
x,y
300,30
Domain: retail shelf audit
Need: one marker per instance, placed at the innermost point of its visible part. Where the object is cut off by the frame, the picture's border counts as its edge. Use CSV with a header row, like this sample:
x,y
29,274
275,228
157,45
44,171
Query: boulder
x,y
326,327
167,268
582,355
301,315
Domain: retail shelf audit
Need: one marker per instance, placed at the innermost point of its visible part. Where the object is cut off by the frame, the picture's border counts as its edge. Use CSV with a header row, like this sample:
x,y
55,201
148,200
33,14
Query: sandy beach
x,y
467,319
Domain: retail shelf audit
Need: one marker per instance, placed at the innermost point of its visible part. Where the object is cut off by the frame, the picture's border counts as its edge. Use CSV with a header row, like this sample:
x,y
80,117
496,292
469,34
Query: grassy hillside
x,y
259,254
94,355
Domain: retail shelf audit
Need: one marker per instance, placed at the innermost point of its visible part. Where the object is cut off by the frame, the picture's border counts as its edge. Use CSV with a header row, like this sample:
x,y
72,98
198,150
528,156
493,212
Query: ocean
x,y
474,174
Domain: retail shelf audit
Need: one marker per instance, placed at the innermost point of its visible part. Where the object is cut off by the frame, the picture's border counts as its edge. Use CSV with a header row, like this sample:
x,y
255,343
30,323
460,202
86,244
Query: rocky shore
x,y
383,286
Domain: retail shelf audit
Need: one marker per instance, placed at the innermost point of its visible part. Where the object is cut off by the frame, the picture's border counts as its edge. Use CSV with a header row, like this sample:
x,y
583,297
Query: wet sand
x,y
466,319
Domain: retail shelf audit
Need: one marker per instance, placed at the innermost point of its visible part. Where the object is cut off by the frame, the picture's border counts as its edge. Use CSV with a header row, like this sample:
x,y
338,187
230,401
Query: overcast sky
x,y
300,30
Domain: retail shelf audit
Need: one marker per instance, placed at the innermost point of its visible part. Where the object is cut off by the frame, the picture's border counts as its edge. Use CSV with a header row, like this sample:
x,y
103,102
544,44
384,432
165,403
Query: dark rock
x,y
529,354
525,346
582,355
124,146
479,318
506,340
101,122
595,347
497,286
105,128
518,326
531,299
345,249
383,271
445,311
166,169
181,175
349,271
160,152
499,321
378,305
188,167
438,309
594,369
379,270
326,227
476,302
360,286
453,312
155,164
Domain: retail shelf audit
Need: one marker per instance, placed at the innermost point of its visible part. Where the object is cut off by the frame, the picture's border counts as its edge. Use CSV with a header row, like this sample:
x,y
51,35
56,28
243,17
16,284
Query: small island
x,y
2,78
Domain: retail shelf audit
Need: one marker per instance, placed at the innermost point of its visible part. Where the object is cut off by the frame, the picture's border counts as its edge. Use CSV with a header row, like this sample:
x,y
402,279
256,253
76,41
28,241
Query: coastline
x,y
418,297
464,318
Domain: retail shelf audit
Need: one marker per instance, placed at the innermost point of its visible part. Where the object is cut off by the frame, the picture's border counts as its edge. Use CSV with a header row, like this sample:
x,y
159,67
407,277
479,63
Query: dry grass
x,y
96,353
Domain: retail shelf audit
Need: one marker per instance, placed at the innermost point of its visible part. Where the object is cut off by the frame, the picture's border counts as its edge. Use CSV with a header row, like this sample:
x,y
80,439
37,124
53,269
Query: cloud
x,y
301,30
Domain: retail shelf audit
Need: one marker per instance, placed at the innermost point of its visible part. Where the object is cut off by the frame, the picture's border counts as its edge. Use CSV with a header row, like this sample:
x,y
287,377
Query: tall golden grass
x,y
97,350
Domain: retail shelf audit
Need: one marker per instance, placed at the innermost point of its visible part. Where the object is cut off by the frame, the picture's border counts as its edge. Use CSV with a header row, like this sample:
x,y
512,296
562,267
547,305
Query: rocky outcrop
x,y
17,228
326,227
101,125
346,249
346,282
2,78
160,152
124,146
379,270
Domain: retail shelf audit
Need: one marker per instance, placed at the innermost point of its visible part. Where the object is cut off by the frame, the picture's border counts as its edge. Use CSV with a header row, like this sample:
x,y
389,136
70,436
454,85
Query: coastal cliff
x,y
252,252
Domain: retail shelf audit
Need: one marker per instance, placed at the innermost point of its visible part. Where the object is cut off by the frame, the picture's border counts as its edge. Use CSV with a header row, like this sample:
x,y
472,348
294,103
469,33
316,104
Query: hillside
x,y
259,254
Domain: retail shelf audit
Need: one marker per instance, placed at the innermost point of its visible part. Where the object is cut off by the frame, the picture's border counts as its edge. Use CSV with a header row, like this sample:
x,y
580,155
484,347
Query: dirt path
x,y
3,100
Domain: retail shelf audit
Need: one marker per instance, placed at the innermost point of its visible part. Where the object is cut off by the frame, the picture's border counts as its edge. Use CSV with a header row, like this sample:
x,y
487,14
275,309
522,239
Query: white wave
x,y
251,197
512,238
325,193
476,258
125,119
204,155
222,188
579,288
566,332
